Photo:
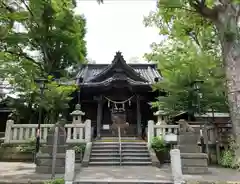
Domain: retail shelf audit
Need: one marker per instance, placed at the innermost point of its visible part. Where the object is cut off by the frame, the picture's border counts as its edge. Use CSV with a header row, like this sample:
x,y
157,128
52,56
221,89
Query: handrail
x,y
120,145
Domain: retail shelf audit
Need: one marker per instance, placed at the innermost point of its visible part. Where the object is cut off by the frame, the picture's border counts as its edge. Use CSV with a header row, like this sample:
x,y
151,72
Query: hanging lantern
x,y
129,102
108,103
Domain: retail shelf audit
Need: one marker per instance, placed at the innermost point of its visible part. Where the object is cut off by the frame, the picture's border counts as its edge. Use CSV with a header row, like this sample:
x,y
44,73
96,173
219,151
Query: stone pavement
x,y
216,174
19,173
152,173
126,173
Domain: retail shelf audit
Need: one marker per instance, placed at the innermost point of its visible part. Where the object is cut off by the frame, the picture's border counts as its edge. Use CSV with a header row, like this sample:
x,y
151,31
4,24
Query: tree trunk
x,y
231,56
232,68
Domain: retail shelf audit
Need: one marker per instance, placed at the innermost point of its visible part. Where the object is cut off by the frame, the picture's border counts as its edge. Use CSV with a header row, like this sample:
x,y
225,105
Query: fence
x,y
21,133
162,130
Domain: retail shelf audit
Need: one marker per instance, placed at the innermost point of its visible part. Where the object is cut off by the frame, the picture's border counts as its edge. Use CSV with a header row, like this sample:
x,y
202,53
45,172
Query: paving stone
x,y
21,173
124,172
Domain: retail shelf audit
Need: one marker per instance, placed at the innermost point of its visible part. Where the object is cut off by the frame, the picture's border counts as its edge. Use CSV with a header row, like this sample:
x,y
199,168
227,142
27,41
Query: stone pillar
x,y
193,162
99,116
45,156
8,131
69,166
150,131
176,166
88,130
139,128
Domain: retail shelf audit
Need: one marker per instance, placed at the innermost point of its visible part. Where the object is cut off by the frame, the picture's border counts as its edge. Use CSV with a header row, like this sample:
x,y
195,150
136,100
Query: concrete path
x,y
126,173
19,173
152,173
216,174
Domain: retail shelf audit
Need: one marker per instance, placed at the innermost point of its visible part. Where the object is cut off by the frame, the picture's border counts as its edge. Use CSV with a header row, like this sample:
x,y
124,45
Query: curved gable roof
x,y
142,74
118,65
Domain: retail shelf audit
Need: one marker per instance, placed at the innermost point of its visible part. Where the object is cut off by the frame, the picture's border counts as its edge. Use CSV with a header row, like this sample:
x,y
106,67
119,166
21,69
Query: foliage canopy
x,y
40,39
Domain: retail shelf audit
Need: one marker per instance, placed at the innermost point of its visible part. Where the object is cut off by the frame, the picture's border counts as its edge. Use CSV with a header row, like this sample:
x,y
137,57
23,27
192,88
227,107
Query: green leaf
x,y
210,3
18,16
170,3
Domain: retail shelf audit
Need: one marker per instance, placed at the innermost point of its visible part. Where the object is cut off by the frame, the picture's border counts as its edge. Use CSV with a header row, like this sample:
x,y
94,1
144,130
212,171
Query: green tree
x,y
56,100
181,18
182,63
49,34
40,38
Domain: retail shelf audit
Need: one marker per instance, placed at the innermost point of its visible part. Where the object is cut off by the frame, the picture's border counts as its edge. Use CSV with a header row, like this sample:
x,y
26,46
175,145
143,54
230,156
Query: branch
x,y
201,7
42,46
30,11
11,10
194,36
182,8
24,55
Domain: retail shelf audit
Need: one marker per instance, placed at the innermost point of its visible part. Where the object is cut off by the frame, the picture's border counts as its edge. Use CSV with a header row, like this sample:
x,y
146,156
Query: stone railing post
x,y
69,167
88,130
176,166
150,131
8,130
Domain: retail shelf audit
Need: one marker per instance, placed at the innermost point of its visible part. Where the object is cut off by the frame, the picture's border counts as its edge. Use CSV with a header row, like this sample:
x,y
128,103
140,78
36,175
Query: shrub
x,y
79,148
228,156
28,147
56,181
158,144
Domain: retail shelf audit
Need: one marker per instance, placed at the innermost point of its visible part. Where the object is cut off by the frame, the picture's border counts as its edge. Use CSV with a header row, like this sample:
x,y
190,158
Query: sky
x,y
117,26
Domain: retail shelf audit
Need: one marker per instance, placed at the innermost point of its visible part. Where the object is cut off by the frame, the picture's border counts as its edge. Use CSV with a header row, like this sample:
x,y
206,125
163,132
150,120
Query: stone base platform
x,y
194,163
44,163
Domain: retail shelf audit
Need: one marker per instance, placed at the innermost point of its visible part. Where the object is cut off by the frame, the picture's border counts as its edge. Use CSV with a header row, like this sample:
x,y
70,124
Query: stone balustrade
x,y
155,130
21,133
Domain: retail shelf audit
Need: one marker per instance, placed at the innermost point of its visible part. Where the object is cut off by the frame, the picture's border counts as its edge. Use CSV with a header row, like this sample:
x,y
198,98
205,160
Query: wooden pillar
x,y
99,116
139,128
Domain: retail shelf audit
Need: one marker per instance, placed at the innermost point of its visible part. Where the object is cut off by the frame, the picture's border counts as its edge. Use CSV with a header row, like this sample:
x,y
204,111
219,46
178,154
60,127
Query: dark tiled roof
x,y
147,71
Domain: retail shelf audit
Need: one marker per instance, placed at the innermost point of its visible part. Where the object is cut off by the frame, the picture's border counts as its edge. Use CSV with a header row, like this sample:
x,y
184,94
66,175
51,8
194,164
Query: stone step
x,y
114,163
136,163
116,138
48,162
48,155
136,159
117,147
117,158
105,151
117,150
104,163
49,149
140,145
123,154
47,170
104,159
104,154
117,143
194,170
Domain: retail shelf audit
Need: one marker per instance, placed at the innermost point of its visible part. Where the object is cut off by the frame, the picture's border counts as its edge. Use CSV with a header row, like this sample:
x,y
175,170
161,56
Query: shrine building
x,y
117,88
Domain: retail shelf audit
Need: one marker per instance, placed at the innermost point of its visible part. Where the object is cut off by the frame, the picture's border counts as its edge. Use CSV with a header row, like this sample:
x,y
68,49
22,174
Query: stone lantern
x,y
160,117
77,114
160,121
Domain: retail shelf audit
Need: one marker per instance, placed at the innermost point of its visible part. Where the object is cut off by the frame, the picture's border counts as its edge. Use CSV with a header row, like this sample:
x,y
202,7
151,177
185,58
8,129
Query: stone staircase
x,y
134,153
